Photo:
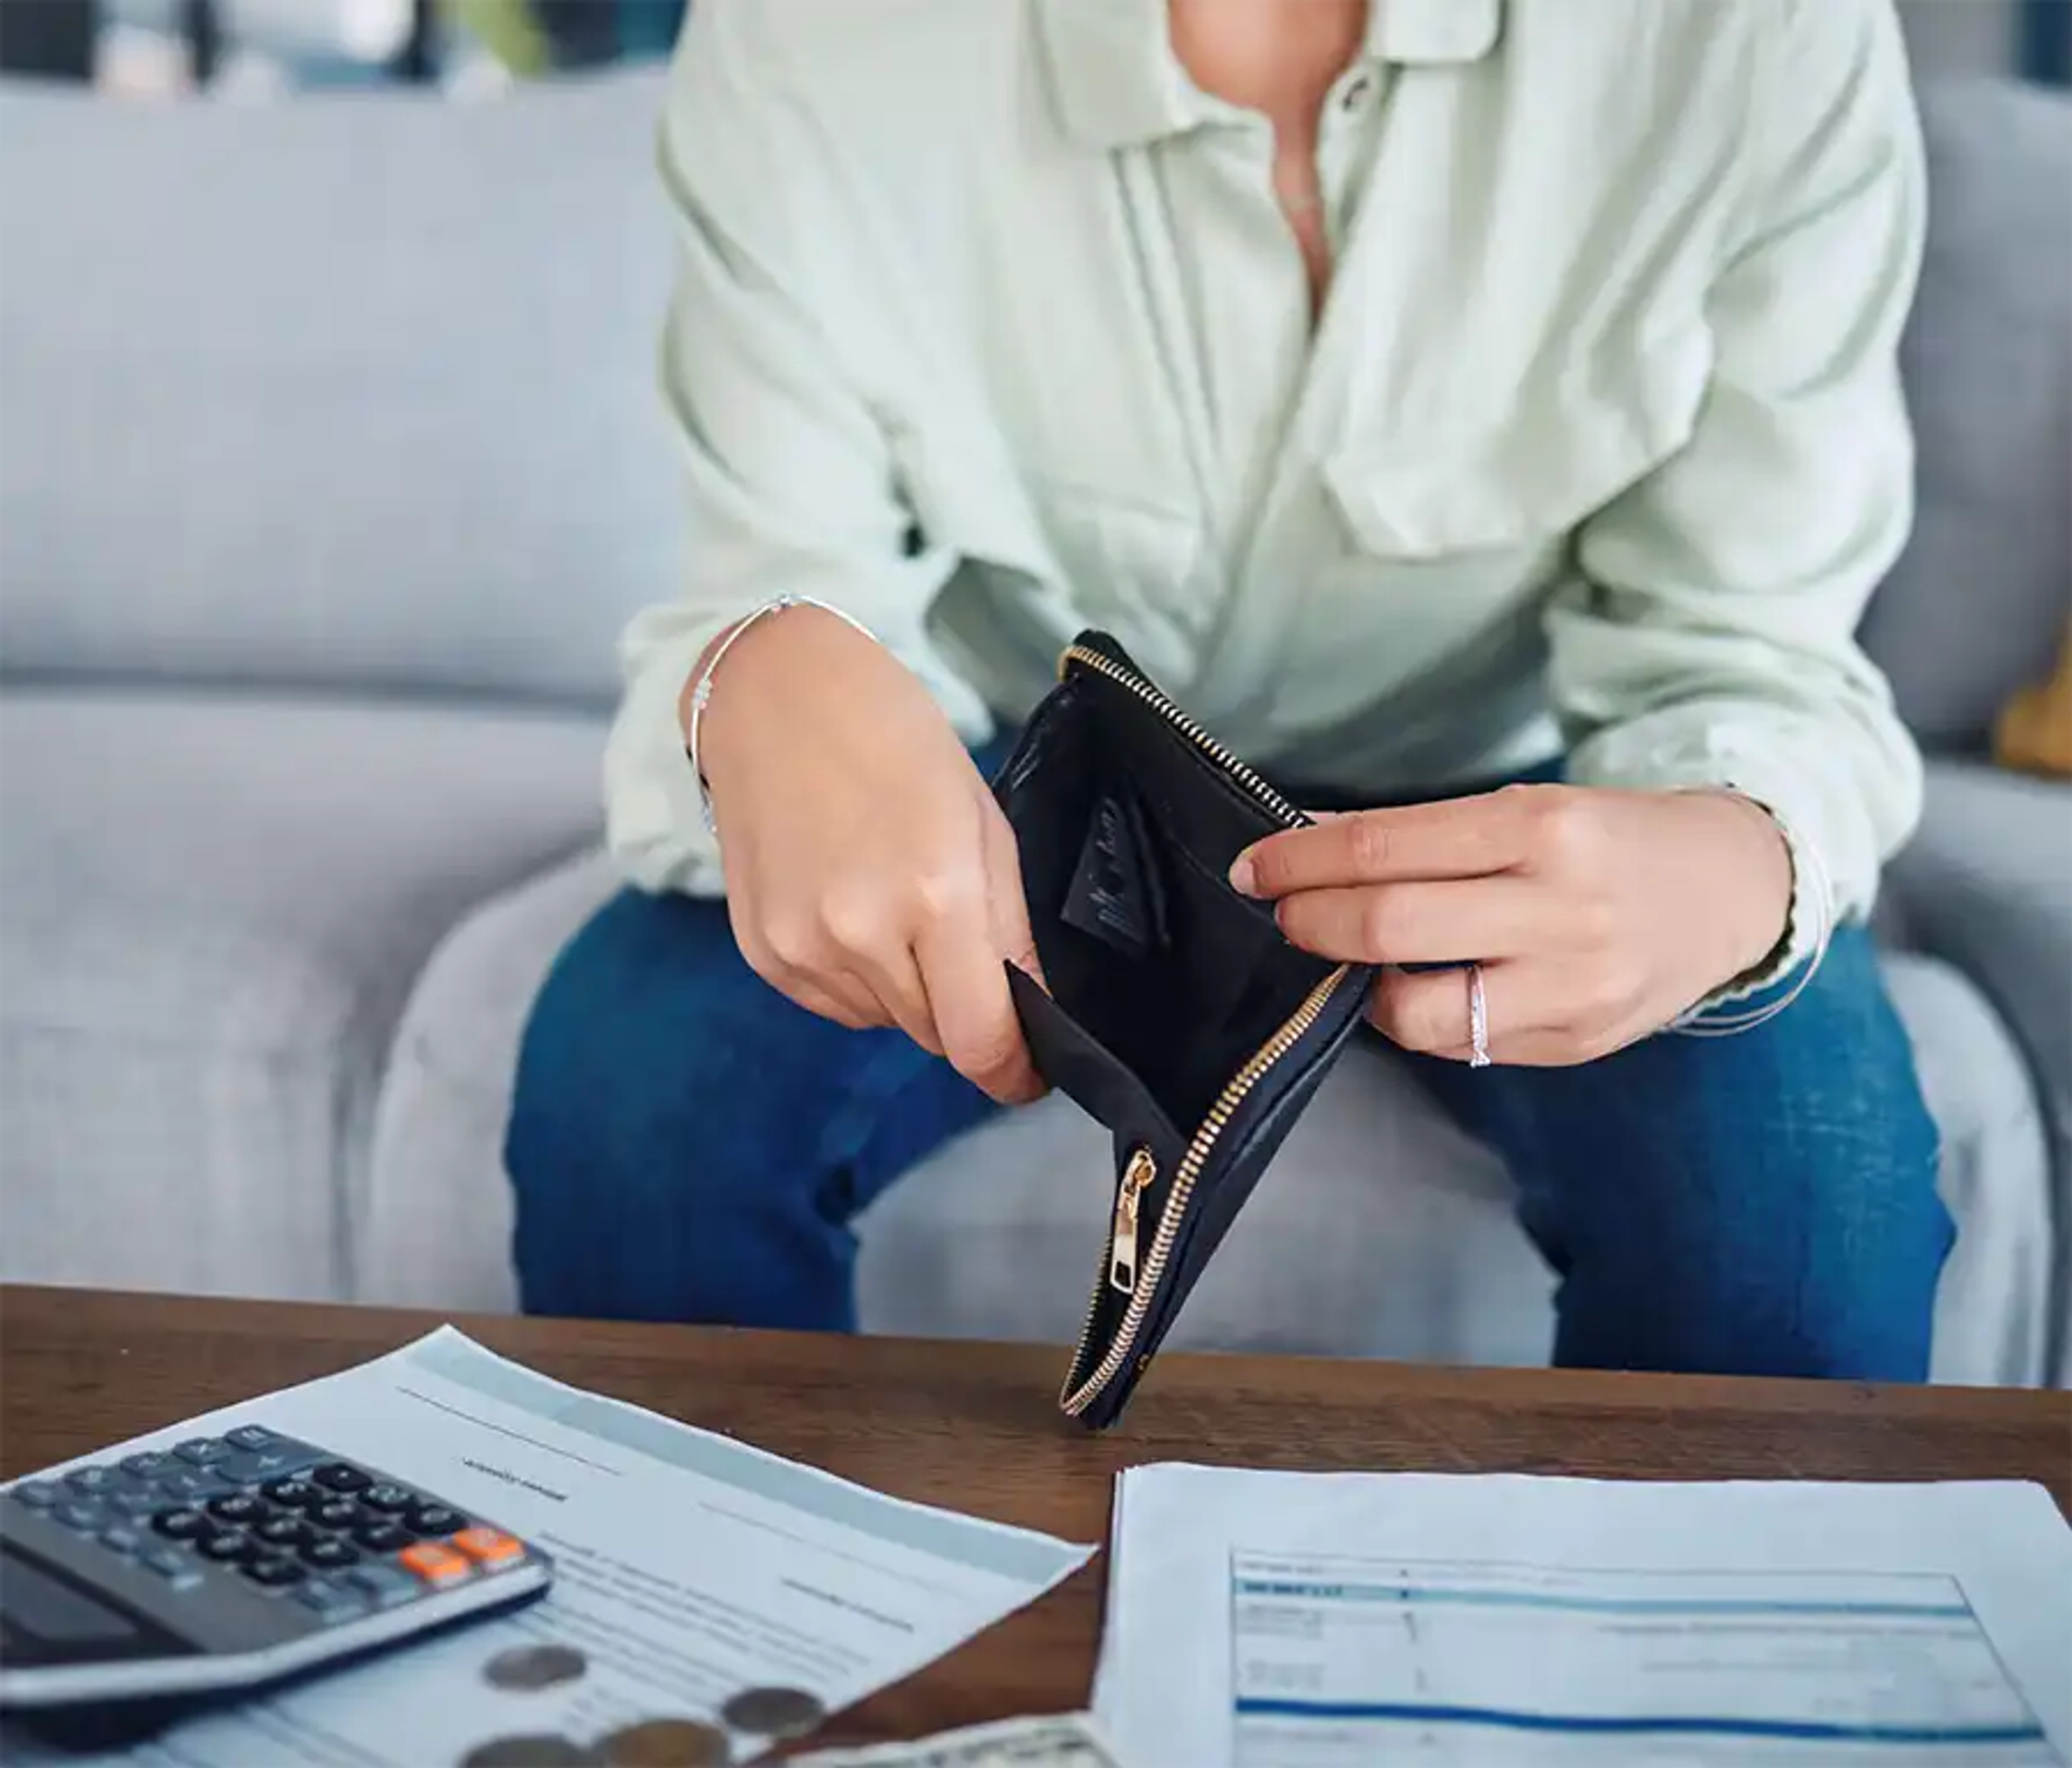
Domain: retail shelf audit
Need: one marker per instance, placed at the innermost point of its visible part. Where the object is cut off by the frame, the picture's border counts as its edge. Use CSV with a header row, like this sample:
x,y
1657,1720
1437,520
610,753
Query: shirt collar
x,y
1118,84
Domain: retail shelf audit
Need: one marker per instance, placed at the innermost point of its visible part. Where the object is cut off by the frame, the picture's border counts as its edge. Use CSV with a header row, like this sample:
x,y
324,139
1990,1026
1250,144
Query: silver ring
x,y
1478,1055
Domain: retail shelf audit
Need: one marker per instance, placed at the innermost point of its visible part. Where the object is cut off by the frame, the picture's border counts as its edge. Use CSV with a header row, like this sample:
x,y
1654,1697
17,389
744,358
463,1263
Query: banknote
x,y
1055,1741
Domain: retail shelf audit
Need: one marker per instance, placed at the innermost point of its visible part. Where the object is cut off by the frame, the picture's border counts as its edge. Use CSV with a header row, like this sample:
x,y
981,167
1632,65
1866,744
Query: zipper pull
x,y
1122,1257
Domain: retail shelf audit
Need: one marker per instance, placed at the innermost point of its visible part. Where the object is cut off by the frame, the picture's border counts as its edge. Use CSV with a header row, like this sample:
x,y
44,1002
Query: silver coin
x,y
774,1712
541,1750
667,1743
533,1667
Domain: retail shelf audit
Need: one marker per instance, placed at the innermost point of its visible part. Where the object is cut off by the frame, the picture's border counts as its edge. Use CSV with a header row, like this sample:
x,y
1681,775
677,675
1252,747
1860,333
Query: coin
x,y
667,1743
539,1750
774,1712
533,1667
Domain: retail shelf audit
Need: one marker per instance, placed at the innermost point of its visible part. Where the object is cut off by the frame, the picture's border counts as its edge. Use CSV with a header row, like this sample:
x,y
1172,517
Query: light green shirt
x,y
989,328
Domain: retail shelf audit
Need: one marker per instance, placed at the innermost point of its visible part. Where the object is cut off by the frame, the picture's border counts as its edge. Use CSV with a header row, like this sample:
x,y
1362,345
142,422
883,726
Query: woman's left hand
x,y
1597,915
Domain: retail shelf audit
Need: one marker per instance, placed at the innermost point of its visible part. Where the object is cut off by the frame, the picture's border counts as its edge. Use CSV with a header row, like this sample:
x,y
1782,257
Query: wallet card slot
x,y
1178,1013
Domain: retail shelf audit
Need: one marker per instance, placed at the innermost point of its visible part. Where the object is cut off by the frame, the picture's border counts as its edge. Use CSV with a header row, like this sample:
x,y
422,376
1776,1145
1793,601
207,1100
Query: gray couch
x,y
329,467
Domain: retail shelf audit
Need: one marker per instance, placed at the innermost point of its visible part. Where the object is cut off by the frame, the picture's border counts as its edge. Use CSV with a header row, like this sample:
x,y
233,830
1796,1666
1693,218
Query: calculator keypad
x,y
281,1517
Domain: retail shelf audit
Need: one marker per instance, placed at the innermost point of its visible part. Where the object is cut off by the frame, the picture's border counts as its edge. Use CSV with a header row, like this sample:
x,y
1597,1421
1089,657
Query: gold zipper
x,y
1247,777
1122,1241
1143,1283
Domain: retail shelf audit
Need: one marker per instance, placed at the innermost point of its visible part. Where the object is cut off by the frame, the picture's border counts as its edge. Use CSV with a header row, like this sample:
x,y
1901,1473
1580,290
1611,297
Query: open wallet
x,y
1175,1014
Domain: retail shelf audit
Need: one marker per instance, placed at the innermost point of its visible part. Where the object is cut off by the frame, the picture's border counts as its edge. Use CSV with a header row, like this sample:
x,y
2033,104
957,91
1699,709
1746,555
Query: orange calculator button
x,y
437,1565
489,1548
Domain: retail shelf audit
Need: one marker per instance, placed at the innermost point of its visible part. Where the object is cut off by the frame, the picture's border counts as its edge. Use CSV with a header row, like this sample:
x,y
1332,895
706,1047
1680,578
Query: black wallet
x,y
1176,1013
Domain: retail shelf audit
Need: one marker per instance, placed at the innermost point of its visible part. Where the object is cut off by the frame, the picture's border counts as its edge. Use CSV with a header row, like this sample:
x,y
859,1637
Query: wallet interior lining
x,y
1184,1011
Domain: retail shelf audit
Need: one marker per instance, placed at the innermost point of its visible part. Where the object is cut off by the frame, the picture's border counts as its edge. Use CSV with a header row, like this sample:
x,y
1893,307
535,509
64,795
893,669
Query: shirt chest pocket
x,y
1490,500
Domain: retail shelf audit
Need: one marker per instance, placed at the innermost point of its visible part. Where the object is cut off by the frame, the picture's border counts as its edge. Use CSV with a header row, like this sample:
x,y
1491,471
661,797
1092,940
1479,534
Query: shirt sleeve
x,y
1709,639
789,471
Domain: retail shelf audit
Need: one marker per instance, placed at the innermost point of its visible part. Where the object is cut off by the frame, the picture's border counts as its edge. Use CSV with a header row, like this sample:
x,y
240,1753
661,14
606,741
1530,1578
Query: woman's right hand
x,y
870,875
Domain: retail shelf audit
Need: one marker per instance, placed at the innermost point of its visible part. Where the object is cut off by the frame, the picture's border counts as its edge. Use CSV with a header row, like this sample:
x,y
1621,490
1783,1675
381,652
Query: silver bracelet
x,y
701,694
1816,893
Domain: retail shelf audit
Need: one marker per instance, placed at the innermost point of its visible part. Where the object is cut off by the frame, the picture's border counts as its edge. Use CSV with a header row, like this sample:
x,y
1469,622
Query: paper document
x,y
1259,1620
1069,1740
691,1569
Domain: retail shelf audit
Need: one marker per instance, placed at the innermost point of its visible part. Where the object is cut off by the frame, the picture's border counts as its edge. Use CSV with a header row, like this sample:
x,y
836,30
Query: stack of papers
x,y
1264,1620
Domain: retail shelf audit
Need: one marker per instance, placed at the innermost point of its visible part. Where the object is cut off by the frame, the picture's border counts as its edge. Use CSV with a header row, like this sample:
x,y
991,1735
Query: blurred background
x,y
157,46
154,48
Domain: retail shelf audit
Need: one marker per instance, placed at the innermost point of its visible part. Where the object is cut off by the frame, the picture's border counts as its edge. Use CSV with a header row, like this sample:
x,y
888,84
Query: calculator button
x,y
435,1519
190,1486
384,1538
285,1531
95,1481
489,1548
88,1519
177,1569
36,1494
340,1513
120,1539
136,1504
249,1467
331,1601
438,1566
329,1556
275,1573
383,1585
231,1546
201,1451
293,1490
253,1436
184,1525
240,1507
339,1476
385,1497
154,1464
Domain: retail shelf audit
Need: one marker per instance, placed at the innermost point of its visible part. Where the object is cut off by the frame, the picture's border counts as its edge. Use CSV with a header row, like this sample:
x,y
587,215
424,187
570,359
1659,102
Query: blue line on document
x,y
1810,1729
1602,1605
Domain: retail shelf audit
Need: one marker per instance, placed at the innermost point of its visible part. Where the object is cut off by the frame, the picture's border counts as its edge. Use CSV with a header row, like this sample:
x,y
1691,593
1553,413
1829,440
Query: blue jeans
x,y
687,1145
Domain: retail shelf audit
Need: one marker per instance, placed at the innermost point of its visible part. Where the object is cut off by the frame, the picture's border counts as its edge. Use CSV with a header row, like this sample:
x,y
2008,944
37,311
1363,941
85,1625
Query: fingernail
x,y
1244,875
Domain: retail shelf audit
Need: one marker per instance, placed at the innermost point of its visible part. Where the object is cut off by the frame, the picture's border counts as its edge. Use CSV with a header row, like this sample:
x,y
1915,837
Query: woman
x,y
1430,394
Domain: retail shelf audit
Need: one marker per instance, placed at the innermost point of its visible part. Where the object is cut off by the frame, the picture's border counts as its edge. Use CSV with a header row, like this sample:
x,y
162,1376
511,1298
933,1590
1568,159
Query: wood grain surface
x,y
976,1427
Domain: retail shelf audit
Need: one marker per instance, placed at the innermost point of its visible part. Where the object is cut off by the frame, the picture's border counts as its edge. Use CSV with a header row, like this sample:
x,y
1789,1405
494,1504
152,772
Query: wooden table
x,y
976,1427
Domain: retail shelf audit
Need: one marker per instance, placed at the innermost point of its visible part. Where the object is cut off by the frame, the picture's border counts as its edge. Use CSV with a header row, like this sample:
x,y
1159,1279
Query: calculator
x,y
226,1563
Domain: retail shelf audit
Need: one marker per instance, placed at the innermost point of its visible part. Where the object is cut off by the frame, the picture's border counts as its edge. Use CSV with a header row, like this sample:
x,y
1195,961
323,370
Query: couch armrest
x,y
1987,887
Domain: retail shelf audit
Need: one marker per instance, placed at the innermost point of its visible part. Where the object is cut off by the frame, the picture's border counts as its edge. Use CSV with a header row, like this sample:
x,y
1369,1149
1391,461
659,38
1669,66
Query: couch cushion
x,y
356,390
437,1231
1986,886
1400,1227
211,912
1975,606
